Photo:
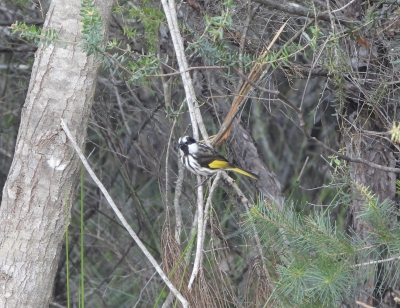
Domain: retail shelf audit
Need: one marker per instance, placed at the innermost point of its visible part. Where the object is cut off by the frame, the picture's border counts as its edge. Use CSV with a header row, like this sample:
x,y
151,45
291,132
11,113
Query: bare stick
x,y
178,188
302,169
207,208
210,195
200,219
197,266
122,219
194,111
376,262
363,305
177,207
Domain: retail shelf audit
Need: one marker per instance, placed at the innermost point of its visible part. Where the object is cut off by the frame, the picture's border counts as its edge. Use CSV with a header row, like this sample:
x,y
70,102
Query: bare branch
x,y
237,106
195,115
200,233
364,305
122,218
376,262
178,187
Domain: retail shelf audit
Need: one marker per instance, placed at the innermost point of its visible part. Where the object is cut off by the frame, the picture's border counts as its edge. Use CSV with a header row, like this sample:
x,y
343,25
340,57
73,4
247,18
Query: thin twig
x,y
302,169
139,300
248,206
242,42
376,262
178,187
121,109
166,83
343,7
194,112
188,70
122,218
55,304
232,114
314,62
177,208
210,195
206,209
364,305
200,233
303,127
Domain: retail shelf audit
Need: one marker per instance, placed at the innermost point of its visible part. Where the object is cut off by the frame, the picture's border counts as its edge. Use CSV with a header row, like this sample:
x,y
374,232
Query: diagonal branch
x,y
122,218
246,88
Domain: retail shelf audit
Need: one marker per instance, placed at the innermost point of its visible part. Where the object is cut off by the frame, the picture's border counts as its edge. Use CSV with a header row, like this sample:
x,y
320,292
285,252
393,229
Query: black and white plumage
x,y
200,159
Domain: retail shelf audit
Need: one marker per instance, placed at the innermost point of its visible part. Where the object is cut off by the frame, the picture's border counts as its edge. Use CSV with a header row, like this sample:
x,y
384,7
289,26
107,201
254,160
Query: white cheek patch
x,y
193,148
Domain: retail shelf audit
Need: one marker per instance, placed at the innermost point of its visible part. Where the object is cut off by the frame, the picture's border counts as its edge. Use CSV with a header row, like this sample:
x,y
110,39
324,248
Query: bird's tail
x,y
247,173
223,164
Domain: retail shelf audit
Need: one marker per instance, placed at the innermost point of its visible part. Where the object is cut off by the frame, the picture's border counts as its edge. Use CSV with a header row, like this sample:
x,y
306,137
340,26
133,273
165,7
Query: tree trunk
x,y
45,170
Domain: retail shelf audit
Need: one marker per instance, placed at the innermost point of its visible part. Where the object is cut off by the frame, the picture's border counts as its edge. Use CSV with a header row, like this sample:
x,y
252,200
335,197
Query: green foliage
x,y
220,53
319,265
92,33
36,34
151,18
316,33
144,65
92,38
24,4
216,25
371,17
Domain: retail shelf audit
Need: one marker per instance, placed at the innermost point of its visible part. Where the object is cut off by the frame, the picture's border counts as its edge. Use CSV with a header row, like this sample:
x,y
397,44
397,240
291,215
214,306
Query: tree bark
x,y
45,169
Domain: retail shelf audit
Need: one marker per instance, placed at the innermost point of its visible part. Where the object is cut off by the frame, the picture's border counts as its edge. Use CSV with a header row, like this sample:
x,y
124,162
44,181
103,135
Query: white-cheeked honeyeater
x,y
200,159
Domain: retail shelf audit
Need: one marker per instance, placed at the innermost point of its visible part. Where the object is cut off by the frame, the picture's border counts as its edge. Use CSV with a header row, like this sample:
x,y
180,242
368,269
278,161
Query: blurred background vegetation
x,y
342,67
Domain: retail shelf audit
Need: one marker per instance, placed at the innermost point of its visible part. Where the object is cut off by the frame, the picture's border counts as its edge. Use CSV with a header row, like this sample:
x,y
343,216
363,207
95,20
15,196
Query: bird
x,y
200,159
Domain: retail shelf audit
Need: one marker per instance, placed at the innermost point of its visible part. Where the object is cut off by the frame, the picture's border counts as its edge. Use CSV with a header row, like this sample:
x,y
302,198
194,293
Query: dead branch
x,y
122,218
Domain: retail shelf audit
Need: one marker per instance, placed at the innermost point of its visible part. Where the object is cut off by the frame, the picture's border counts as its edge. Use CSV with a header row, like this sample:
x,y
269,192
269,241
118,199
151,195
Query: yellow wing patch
x,y
219,164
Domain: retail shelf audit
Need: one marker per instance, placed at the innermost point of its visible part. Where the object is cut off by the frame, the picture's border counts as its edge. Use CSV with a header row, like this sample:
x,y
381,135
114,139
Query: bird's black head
x,y
185,142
